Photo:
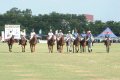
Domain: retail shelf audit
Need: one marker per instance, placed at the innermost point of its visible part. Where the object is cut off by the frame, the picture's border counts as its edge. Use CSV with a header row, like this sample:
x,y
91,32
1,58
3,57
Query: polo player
x,y
59,35
10,34
89,40
32,34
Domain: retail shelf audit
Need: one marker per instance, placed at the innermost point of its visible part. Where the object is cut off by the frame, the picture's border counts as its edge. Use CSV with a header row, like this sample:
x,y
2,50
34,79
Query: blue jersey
x,y
83,35
75,35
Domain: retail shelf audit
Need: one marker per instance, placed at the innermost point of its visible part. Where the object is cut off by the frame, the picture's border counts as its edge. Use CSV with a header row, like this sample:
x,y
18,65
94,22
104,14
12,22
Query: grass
x,y
42,65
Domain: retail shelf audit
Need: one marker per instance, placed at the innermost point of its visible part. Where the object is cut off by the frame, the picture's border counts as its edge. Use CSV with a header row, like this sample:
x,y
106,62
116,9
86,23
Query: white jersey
x,y
59,35
69,36
50,34
32,34
22,34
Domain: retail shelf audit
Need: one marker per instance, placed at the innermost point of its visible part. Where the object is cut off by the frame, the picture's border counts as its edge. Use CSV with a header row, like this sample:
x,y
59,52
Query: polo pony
x,y
33,43
10,43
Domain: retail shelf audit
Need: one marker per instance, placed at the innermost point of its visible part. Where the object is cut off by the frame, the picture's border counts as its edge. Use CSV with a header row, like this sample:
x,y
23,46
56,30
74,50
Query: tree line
x,y
54,21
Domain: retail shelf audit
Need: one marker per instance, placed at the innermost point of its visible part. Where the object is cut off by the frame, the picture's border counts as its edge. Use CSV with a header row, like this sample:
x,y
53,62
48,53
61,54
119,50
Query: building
x,y
90,18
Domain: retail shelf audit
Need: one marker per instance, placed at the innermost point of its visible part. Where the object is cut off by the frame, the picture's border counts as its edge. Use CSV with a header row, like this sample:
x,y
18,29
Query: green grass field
x,y
42,65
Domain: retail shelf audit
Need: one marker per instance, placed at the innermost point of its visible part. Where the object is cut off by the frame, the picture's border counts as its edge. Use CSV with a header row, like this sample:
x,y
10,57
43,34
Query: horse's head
x,y
61,41
33,40
53,38
78,38
107,41
11,40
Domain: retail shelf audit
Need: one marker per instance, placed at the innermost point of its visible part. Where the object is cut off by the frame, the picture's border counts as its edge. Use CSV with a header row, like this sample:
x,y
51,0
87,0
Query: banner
x,y
2,36
15,31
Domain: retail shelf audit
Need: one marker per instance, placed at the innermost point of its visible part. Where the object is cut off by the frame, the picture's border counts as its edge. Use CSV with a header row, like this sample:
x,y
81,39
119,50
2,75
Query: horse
x,y
76,44
107,43
33,43
60,44
23,43
69,44
50,43
10,43
83,45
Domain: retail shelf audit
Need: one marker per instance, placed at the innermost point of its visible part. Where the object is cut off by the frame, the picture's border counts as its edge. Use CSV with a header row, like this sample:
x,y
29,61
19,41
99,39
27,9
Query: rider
x,y
69,35
89,40
83,35
50,34
60,34
75,34
107,36
10,34
32,34
22,35
89,36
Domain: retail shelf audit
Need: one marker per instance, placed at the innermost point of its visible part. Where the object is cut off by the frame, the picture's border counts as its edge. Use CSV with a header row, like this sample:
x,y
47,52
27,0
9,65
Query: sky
x,y
104,10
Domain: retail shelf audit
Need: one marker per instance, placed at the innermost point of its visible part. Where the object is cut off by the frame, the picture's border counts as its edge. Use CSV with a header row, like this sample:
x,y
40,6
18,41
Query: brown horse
x,y
83,45
23,43
76,44
50,43
10,43
60,44
107,43
33,43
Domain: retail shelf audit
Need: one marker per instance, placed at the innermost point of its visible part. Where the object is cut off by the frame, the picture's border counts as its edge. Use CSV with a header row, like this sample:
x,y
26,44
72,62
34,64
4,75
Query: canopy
x,y
109,31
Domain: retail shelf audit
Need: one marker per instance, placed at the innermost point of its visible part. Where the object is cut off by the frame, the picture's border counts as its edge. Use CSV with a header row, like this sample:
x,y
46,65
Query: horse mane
x,y
77,41
51,41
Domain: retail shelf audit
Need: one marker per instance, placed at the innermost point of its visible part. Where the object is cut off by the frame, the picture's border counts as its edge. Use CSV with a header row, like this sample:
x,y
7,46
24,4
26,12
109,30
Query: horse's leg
x,y
11,48
67,48
51,49
77,49
80,48
73,48
89,47
57,47
83,48
34,48
24,48
62,49
107,48
30,48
